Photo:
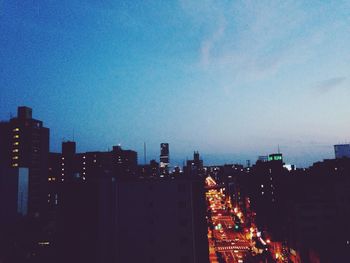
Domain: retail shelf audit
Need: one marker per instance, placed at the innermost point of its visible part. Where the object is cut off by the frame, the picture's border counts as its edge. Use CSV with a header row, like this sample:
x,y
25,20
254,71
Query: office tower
x,y
25,144
263,188
342,150
164,158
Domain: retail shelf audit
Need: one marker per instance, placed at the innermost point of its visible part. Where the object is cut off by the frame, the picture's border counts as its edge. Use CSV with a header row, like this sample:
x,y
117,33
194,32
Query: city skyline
x,y
231,80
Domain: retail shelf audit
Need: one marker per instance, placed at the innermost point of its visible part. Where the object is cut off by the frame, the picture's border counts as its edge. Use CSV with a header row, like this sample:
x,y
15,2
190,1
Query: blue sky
x,y
232,79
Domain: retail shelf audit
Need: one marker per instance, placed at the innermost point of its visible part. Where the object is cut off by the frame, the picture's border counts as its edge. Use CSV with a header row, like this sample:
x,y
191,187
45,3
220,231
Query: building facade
x,y
24,143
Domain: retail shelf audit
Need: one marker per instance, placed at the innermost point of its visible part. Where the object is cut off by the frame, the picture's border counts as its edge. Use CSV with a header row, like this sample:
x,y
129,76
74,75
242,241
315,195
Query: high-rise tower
x,y
28,147
164,158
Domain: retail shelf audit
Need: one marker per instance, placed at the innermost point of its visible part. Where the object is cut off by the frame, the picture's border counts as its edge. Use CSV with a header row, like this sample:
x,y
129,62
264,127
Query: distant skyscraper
x,y
164,158
342,150
194,167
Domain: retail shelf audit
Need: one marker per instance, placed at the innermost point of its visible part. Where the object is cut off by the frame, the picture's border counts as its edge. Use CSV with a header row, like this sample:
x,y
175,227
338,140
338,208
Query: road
x,y
229,243
230,239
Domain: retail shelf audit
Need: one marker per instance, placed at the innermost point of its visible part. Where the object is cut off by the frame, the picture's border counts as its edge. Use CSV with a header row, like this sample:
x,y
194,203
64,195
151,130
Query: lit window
x,y
62,158
62,169
15,164
84,157
262,193
15,150
262,186
16,129
15,157
15,143
16,136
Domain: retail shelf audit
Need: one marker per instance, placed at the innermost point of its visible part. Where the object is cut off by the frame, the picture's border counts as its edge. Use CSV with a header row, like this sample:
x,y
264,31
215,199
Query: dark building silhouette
x,y
149,170
167,219
110,218
70,166
194,167
262,185
24,143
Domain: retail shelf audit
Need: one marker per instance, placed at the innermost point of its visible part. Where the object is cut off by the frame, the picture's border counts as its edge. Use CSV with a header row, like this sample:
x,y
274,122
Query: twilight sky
x,y
232,79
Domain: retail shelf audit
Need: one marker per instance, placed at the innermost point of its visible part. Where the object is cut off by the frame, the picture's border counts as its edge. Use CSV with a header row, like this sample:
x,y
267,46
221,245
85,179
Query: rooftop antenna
x,y
278,149
144,152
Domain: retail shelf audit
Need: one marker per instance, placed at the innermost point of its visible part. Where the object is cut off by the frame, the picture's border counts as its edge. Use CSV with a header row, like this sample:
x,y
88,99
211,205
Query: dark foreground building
x,y
134,220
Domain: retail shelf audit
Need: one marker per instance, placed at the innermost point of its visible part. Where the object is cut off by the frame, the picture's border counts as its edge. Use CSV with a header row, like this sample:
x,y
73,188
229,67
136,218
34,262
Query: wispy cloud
x,y
253,40
330,84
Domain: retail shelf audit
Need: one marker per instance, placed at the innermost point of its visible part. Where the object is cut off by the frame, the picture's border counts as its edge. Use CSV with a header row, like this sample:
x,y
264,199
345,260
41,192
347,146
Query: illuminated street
x,y
230,239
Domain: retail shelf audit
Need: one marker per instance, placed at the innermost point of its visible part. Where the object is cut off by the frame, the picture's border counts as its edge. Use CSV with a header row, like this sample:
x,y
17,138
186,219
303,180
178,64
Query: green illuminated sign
x,y
275,157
